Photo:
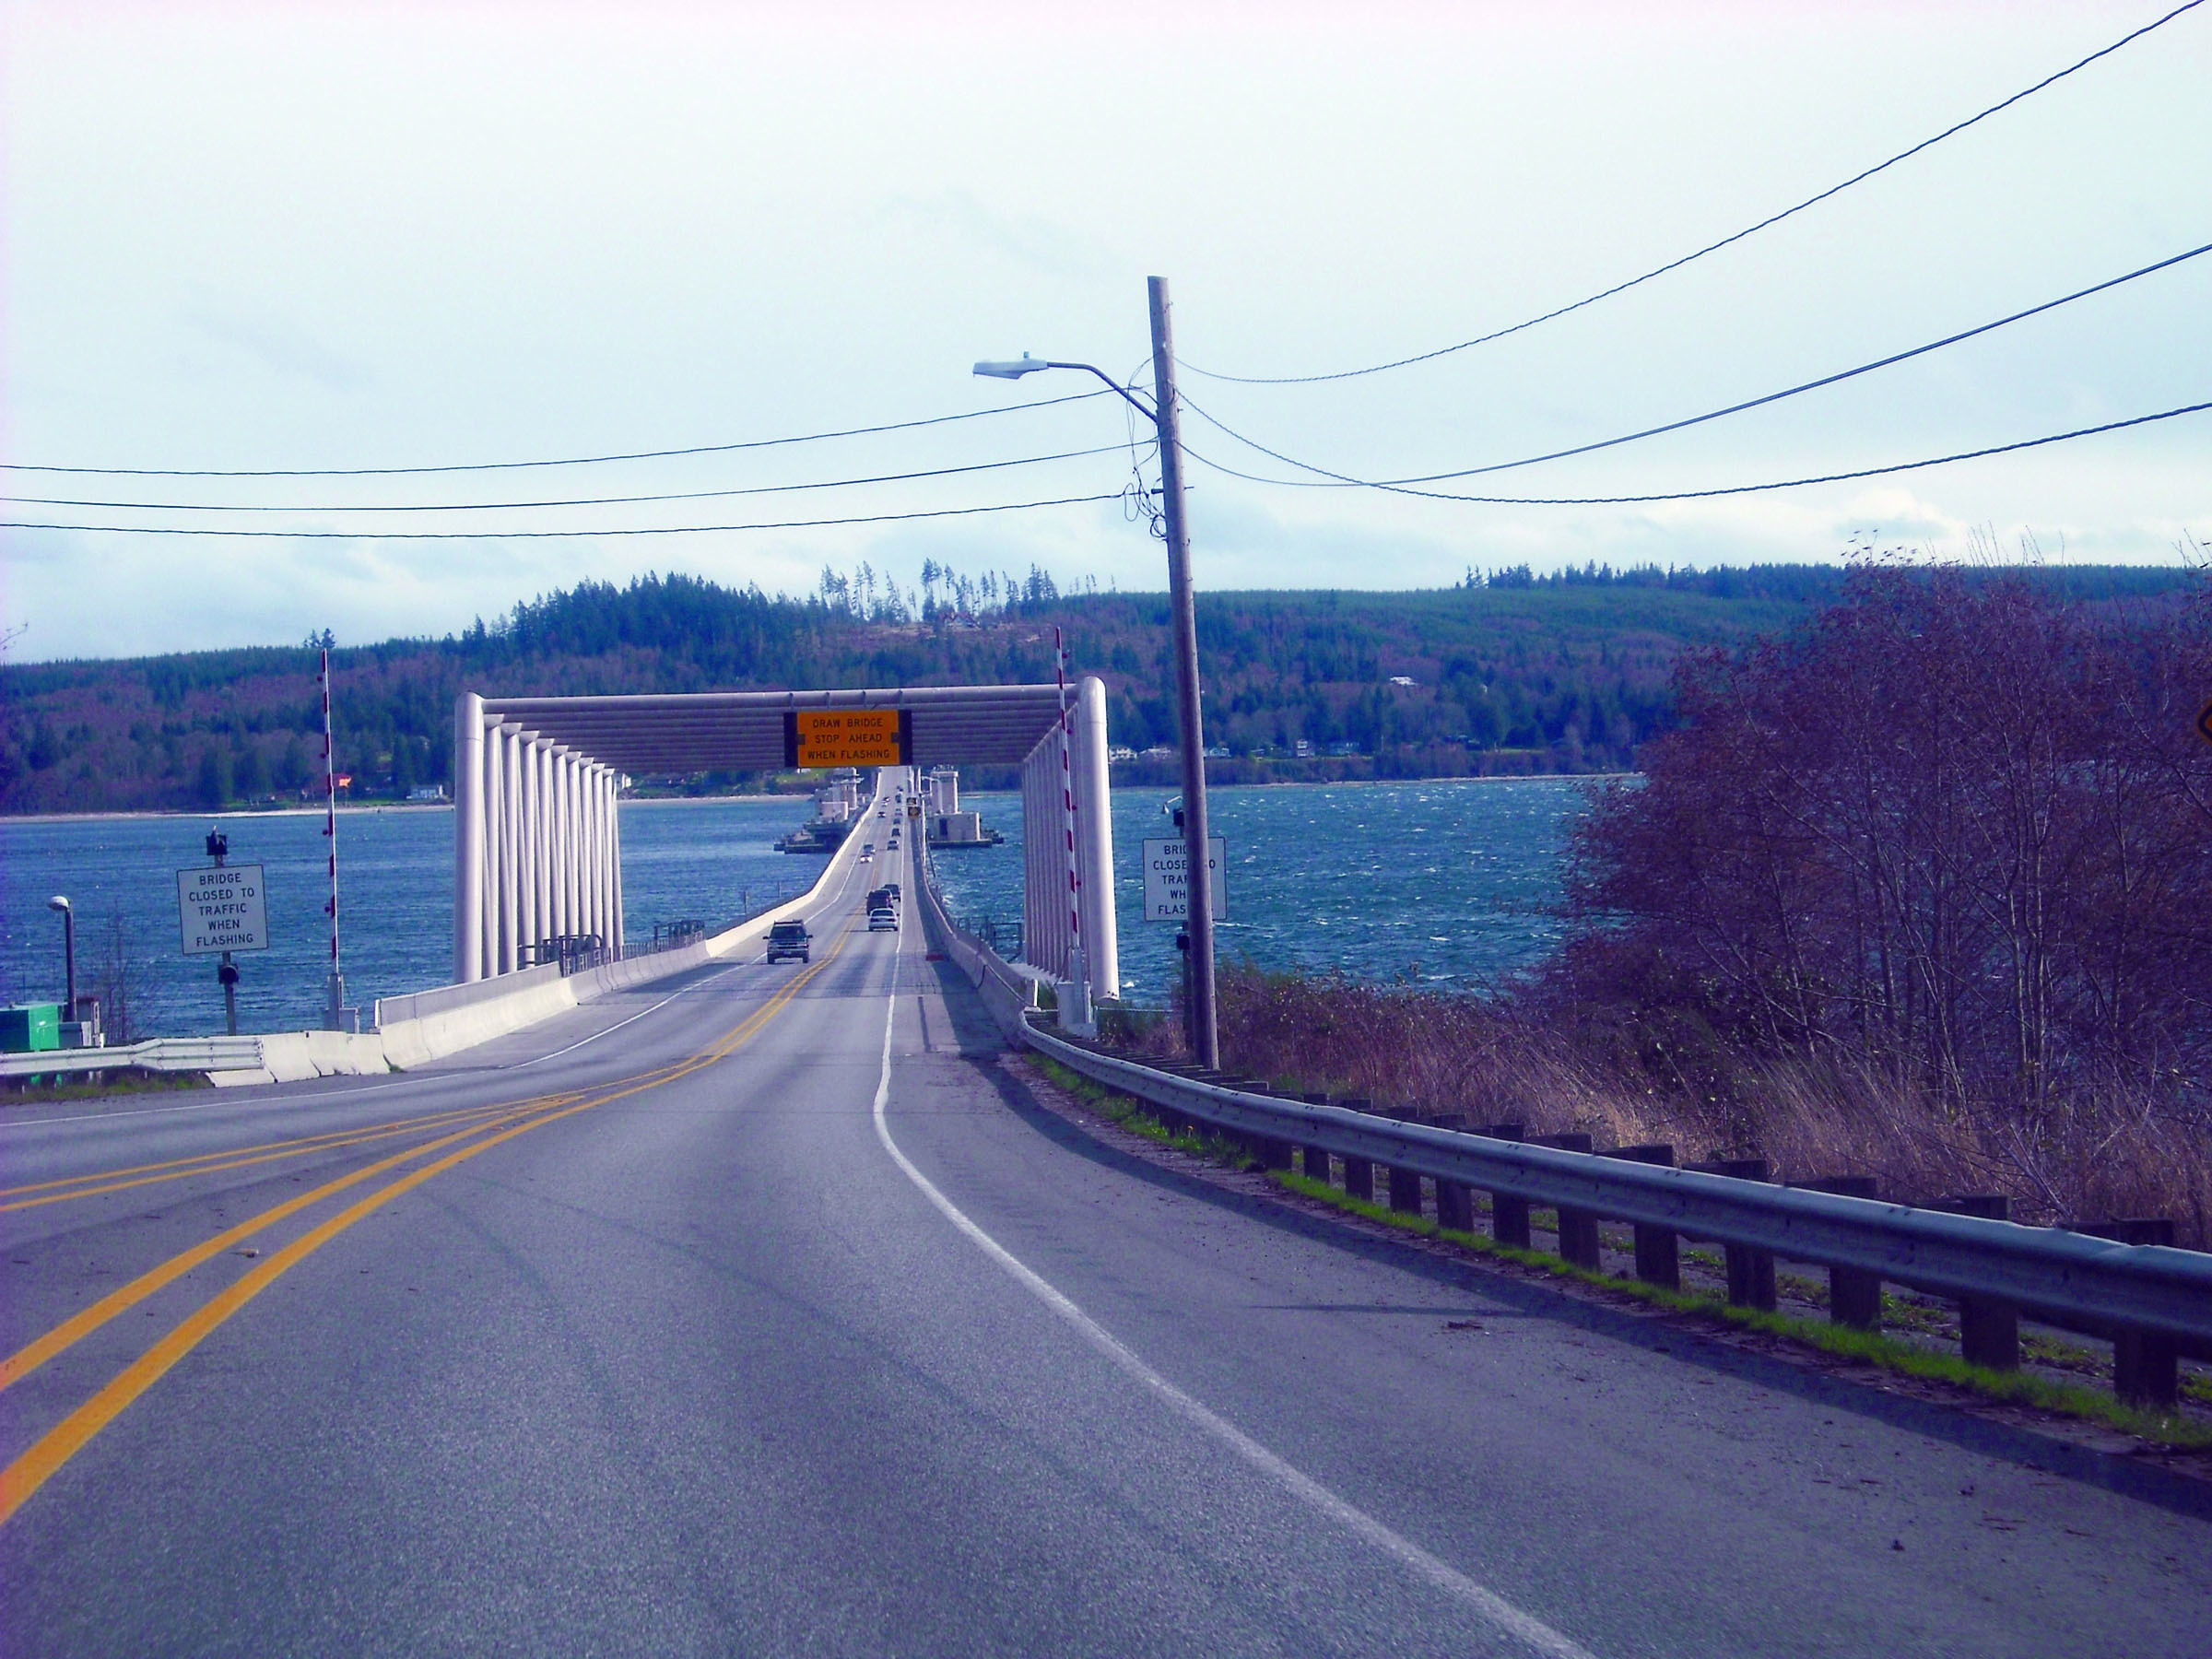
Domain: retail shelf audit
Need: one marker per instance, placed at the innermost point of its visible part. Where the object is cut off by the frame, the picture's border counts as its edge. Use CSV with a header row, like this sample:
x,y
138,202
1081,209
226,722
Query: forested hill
x,y
1507,673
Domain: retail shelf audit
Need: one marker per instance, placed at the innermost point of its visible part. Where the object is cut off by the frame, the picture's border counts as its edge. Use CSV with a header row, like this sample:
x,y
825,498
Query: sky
x,y
342,236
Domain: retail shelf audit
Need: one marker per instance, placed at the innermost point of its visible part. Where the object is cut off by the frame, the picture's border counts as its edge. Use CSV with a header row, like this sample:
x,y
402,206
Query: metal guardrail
x,y
157,1053
2152,1301
2134,1293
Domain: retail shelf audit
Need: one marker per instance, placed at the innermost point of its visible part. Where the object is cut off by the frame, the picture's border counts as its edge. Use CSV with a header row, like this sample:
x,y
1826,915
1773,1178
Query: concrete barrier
x,y
419,1027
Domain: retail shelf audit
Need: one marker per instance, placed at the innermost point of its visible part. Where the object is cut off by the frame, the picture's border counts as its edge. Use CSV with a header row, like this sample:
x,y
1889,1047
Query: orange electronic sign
x,y
847,737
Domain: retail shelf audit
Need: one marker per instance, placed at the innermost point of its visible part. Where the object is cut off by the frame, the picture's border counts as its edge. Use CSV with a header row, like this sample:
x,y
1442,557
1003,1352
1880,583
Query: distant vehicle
x,y
884,896
892,889
789,940
882,918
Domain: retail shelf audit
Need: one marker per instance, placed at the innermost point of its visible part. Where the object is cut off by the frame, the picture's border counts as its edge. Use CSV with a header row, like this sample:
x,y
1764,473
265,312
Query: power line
x,y
690,495
393,472
1676,264
874,518
1345,480
1731,489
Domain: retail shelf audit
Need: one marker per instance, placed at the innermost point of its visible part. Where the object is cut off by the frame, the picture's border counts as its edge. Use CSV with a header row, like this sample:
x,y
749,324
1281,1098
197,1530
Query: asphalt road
x,y
706,1320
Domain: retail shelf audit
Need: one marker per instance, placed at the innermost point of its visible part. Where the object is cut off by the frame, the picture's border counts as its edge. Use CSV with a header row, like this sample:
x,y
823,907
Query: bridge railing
x,y
1007,991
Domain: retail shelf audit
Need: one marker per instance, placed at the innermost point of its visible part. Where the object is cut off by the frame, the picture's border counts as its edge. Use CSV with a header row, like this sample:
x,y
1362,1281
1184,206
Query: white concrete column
x,y
606,856
574,866
495,840
595,800
587,851
525,864
1094,840
614,851
511,850
541,871
572,827
468,838
556,825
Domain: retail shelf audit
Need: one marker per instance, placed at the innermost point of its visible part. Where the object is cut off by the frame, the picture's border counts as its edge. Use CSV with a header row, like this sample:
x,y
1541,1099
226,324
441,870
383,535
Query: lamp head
x,y
1026,364
59,902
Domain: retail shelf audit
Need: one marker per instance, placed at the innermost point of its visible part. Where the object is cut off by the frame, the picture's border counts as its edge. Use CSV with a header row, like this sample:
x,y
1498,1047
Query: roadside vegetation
x,y
1799,1323
1917,890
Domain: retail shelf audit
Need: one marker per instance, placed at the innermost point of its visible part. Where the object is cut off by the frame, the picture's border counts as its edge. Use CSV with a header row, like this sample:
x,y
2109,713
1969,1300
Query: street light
x,y
60,902
1162,413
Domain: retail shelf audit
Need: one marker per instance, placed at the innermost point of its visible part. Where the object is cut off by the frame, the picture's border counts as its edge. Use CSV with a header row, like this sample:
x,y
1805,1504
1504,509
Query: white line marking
x,y
610,1030
1489,1604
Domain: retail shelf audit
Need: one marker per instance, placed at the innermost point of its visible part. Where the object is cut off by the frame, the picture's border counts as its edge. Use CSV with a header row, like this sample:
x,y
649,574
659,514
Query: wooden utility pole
x,y
1183,618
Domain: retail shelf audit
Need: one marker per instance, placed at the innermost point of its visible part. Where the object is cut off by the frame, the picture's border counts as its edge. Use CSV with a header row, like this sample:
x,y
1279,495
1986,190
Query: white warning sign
x,y
223,909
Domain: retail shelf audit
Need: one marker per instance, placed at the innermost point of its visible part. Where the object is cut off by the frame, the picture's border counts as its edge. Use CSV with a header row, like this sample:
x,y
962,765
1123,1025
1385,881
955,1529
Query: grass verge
x,y
1864,1347
119,1081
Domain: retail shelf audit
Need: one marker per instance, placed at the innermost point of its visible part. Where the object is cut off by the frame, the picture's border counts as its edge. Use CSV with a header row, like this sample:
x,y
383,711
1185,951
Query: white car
x,y
883,919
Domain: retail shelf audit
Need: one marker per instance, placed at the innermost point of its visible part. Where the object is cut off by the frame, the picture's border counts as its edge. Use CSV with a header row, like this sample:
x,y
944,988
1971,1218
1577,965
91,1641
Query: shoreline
x,y
376,808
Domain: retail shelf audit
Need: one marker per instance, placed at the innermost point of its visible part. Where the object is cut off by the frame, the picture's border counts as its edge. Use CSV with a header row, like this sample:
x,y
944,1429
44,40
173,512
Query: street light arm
x,y
1025,364
1135,402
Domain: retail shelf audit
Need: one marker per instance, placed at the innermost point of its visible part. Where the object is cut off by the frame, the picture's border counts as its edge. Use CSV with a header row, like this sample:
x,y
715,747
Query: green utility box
x,y
31,1028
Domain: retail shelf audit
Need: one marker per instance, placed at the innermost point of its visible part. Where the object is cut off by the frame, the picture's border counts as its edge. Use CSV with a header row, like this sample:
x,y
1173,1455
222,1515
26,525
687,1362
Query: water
x,y
1451,883
712,859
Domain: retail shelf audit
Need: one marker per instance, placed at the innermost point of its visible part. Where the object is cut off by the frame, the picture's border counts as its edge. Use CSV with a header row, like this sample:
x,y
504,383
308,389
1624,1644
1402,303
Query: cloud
x,y
273,343
1028,239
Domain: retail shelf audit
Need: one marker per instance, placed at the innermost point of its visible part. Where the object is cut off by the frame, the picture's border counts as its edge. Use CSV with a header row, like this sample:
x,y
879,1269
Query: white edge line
x,y
610,1030
1489,1604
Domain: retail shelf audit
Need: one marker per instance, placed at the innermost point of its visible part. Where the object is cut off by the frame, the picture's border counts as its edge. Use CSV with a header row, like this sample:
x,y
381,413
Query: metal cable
x,y
1676,264
691,495
874,518
1345,480
393,471
1693,495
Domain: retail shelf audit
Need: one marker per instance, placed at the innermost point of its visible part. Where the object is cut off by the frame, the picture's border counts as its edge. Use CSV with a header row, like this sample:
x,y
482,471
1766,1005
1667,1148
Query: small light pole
x,y
60,901
226,970
1205,1043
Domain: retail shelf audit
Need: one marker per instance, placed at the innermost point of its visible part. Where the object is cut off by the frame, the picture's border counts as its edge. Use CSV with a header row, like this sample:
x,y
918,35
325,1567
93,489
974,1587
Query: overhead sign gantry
x,y
537,839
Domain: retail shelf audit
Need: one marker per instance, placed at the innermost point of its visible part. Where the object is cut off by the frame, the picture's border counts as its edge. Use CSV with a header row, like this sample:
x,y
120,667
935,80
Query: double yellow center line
x,y
65,1438
238,1158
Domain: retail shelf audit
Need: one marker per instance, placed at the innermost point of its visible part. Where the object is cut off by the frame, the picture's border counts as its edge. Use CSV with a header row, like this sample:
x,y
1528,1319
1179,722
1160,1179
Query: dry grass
x,y
2103,1155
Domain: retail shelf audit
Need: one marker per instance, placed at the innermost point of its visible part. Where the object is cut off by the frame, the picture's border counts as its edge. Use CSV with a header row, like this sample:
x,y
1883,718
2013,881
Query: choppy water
x,y
1450,882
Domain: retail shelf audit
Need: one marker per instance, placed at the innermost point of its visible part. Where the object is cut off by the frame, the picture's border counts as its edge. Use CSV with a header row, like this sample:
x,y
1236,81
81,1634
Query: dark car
x,y
789,941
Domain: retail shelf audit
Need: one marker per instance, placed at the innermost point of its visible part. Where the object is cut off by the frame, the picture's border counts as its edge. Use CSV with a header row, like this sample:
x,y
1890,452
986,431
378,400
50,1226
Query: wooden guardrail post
x,y
1273,1151
1316,1159
1989,1330
2145,1364
1358,1172
1508,1212
1750,1272
1578,1229
1855,1295
1405,1184
1658,1251
1454,1199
